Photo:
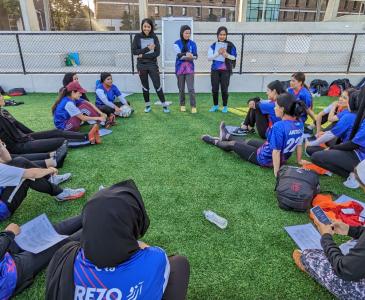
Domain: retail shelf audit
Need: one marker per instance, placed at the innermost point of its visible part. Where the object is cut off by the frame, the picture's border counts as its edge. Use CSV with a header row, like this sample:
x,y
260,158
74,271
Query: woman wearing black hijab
x,y
110,262
223,56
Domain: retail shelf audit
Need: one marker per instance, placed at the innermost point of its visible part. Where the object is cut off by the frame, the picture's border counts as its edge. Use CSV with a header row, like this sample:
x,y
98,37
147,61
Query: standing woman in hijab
x,y
223,56
110,261
186,52
147,48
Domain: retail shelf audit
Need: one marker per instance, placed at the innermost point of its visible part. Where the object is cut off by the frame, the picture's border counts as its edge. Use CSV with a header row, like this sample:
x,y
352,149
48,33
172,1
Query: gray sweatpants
x,y
189,79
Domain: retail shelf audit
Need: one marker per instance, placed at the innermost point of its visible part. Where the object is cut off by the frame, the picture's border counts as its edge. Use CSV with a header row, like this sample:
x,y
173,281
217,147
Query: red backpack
x,y
334,90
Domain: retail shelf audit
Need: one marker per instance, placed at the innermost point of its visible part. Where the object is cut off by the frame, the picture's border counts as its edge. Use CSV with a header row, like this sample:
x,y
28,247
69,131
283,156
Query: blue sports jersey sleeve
x,y
266,107
359,138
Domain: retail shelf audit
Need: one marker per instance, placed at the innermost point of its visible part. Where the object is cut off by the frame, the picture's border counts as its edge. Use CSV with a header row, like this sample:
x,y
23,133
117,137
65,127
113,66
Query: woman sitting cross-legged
x,y
109,99
18,267
342,275
69,111
283,138
110,262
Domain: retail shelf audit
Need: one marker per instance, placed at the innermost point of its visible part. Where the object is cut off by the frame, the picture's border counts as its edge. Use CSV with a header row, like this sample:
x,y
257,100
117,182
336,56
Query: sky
x,y
89,3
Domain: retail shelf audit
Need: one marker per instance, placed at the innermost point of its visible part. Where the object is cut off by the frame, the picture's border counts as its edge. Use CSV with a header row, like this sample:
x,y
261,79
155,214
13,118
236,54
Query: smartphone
x,y
321,215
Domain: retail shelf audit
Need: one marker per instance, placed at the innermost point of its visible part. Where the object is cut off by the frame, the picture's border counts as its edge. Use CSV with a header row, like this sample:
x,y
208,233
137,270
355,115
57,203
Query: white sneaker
x,y
70,194
57,179
351,182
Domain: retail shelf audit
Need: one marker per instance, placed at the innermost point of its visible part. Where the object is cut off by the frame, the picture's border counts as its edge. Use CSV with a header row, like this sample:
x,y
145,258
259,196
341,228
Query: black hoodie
x,y
147,61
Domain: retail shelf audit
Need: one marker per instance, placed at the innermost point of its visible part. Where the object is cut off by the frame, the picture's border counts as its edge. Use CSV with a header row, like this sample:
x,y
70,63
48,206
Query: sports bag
x,y
296,188
17,92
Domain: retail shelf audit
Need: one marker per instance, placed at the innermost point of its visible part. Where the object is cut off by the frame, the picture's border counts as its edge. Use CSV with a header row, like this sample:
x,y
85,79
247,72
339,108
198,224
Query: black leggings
x,y
46,141
177,286
255,117
154,74
338,162
28,265
220,78
36,158
41,185
246,150
107,109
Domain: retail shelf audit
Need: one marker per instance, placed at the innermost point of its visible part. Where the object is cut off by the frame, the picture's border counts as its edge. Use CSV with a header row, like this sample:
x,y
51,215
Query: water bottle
x,y
101,187
215,219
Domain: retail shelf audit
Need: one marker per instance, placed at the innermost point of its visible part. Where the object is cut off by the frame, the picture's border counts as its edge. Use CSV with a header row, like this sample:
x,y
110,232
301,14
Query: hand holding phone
x,y
321,215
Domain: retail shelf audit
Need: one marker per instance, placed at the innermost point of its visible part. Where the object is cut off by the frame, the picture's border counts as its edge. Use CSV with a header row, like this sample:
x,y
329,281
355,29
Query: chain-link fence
x,y
256,53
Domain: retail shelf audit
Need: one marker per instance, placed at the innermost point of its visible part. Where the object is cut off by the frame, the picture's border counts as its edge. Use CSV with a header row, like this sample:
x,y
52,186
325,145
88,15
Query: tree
x,y
62,11
12,7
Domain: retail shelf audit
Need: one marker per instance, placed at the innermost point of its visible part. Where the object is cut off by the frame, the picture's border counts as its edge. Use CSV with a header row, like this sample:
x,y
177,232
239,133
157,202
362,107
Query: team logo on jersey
x,y
135,291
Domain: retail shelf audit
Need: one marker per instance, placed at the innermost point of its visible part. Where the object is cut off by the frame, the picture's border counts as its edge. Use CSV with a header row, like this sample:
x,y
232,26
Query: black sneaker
x,y
223,132
61,154
209,139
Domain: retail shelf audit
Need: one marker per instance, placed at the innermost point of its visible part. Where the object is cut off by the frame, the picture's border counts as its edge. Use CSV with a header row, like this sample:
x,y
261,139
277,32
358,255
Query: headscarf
x,y
113,221
184,42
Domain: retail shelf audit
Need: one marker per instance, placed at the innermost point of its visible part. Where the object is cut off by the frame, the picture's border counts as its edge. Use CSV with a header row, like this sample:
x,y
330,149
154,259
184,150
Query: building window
x,y
307,2
210,11
346,4
305,16
286,3
198,12
284,16
296,16
169,10
184,11
157,10
223,13
296,3
355,5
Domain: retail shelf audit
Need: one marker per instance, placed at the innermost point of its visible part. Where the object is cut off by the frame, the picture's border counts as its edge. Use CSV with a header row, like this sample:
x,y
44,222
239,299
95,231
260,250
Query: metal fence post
x,y
351,55
20,53
242,44
131,41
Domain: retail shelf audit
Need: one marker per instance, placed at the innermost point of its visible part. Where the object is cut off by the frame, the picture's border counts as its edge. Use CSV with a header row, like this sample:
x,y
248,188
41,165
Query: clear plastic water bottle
x,y
101,187
215,219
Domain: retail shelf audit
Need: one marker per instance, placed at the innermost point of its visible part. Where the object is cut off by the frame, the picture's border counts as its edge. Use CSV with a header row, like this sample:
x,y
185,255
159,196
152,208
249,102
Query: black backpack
x,y
296,188
321,86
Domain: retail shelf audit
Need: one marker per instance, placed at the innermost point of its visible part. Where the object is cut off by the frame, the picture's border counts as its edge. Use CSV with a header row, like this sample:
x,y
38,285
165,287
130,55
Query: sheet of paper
x,y
38,235
344,198
145,43
218,46
345,247
305,236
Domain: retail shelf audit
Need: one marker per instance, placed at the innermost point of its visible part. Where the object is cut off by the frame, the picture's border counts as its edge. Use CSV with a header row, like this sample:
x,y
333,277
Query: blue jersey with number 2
x,y
285,135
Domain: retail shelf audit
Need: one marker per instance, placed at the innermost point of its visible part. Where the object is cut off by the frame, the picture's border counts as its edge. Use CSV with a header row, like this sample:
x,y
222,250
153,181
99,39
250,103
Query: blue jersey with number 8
x,y
285,135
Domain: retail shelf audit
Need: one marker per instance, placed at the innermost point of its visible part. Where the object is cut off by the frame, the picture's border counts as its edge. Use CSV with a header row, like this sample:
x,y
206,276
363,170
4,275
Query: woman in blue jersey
x,y
186,52
282,139
262,112
340,132
333,112
18,267
68,115
111,262
341,159
299,89
223,55
109,99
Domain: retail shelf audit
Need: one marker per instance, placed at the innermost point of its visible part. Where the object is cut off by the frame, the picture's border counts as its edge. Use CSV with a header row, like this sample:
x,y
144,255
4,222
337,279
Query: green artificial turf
x,y
179,176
